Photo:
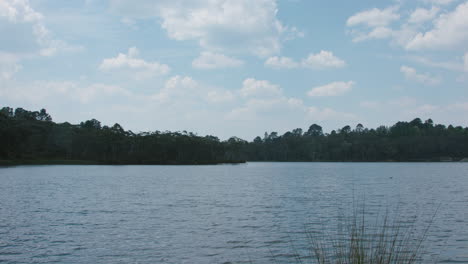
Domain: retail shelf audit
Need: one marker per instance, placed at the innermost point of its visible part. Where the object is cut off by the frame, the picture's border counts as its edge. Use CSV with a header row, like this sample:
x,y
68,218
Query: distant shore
x,y
88,162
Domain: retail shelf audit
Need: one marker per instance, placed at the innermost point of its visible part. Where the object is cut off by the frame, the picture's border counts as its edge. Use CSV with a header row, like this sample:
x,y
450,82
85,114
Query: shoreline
x,y
8,163
4,163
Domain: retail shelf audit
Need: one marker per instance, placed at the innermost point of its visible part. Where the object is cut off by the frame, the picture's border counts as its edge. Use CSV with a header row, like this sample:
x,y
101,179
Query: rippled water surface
x,y
251,213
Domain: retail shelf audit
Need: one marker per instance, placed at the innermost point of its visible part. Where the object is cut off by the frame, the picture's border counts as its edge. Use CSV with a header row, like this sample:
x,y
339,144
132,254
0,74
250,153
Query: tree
x,y
297,132
6,112
43,116
359,128
91,124
314,130
117,128
345,130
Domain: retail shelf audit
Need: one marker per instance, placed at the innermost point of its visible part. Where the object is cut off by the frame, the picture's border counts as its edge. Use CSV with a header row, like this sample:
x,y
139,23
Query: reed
x,y
389,240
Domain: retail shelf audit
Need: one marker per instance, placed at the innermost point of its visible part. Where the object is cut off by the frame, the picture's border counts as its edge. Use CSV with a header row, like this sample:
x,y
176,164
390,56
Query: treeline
x,y
404,141
31,136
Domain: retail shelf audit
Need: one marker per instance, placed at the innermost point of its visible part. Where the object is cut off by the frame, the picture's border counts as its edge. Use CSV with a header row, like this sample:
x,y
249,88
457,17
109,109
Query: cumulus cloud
x,y
332,89
373,23
421,15
450,31
140,68
281,63
19,12
322,60
447,65
208,60
412,75
176,87
252,87
264,100
446,30
374,17
217,25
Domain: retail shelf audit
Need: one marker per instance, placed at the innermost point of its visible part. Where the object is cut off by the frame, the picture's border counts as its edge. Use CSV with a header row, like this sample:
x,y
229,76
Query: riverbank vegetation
x,y
366,238
31,137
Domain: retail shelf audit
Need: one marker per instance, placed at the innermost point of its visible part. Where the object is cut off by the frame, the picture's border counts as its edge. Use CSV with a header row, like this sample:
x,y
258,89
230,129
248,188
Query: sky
x,y
236,67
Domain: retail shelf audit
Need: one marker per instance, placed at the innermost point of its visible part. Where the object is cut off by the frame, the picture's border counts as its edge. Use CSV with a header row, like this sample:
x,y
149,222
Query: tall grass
x,y
390,240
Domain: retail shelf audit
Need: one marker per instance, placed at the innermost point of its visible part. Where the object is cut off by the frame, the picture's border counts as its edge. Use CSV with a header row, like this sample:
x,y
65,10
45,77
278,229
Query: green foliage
x,y
388,239
31,135
404,141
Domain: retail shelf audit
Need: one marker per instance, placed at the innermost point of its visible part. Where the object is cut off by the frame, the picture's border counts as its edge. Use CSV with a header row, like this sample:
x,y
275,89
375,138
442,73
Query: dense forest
x,y
32,137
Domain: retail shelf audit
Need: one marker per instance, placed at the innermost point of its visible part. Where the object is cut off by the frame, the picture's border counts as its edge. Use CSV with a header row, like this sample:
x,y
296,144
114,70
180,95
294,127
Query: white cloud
x,y
447,30
266,99
217,25
373,23
209,60
252,87
281,63
374,17
332,89
177,87
17,12
140,68
447,65
322,60
450,31
375,33
412,75
9,65
421,15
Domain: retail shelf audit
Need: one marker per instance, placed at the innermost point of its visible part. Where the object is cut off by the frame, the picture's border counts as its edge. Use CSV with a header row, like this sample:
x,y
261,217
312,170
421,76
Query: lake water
x,y
250,213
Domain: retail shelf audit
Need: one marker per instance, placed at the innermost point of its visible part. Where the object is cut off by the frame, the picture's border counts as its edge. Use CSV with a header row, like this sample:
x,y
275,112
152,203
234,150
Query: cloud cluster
x,y
217,25
447,30
412,75
322,60
263,99
140,68
252,87
331,89
18,13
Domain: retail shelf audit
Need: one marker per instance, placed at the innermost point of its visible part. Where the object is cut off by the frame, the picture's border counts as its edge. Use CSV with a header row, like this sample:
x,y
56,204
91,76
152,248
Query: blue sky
x,y
236,67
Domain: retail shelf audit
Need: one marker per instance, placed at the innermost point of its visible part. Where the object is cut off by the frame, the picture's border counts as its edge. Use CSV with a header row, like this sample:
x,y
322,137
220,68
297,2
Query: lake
x,y
249,213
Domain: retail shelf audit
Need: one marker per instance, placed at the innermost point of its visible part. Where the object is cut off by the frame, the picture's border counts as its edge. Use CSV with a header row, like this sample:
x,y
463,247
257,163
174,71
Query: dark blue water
x,y
253,213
